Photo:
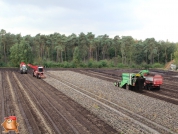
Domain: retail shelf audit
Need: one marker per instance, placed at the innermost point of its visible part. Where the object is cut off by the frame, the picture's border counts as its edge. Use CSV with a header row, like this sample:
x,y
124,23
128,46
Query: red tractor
x,y
38,71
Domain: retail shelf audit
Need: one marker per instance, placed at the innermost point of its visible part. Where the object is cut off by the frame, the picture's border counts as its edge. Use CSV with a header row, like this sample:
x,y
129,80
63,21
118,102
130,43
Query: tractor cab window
x,y
40,69
23,66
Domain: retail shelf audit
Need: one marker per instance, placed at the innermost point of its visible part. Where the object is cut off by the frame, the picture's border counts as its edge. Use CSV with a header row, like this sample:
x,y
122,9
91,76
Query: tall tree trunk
x,y
103,55
146,58
122,58
115,52
158,56
57,56
125,60
65,54
165,56
5,56
61,57
96,54
90,52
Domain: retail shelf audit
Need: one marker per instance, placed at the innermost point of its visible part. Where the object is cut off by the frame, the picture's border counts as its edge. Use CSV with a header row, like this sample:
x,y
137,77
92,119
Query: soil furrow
x,y
41,120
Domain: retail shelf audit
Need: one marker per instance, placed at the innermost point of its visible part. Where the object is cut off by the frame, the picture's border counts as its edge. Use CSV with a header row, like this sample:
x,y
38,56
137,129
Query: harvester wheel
x,y
116,84
139,84
149,87
158,88
127,87
146,87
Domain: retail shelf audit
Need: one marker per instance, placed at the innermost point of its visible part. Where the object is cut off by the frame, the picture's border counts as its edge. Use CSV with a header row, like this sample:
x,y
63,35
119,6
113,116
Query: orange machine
x,y
38,71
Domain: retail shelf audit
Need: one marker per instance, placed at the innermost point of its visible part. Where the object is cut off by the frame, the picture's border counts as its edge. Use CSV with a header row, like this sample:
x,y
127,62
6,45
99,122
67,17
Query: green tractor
x,y
131,81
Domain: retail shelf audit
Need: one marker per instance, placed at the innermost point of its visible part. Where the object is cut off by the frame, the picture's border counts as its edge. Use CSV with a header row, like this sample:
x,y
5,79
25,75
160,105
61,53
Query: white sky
x,y
140,19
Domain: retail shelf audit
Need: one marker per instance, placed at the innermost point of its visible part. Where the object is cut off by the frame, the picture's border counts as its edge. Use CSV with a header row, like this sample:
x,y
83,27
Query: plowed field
x,y
81,101
42,109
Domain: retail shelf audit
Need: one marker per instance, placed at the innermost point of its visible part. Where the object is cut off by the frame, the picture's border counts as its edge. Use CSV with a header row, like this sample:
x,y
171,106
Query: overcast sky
x,y
140,19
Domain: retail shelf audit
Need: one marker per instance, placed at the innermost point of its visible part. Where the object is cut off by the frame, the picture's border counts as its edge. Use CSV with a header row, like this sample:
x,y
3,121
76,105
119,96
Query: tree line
x,y
84,48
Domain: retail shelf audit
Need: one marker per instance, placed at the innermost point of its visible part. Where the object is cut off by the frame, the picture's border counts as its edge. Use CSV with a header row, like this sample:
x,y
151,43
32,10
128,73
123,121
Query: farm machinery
x,y
38,71
131,81
23,68
151,81
138,81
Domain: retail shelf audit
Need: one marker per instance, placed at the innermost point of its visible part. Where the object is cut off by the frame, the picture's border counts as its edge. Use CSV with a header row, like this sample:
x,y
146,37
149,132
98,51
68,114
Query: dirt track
x,y
40,108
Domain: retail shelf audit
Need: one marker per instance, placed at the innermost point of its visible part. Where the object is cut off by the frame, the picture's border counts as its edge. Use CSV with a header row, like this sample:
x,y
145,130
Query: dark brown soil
x,y
43,109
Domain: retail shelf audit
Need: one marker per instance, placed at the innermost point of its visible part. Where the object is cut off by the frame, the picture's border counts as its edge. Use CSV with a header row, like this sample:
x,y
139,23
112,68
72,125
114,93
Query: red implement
x,y
153,81
38,71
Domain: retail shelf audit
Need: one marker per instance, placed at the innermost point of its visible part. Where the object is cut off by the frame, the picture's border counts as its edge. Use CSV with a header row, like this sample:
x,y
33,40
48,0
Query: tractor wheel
x,y
124,87
131,87
118,84
115,84
33,75
149,87
37,76
158,88
146,87
127,87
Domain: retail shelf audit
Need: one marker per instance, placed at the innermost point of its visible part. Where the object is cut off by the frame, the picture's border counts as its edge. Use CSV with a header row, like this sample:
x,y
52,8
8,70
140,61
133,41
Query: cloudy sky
x,y
140,19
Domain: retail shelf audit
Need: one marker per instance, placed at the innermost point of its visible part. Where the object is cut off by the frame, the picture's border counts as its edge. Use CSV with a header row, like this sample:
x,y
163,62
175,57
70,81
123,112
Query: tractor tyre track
x,y
16,104
44,127
31,124
10,105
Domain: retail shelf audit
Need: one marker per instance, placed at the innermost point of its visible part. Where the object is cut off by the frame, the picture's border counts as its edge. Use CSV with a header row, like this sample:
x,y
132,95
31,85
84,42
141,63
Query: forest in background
x,y
84,50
